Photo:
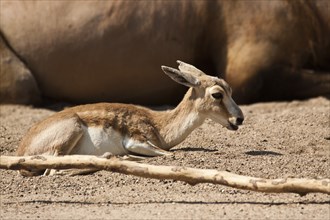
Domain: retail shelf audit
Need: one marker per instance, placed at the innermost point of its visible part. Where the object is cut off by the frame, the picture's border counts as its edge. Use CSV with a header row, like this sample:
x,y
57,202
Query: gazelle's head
x,y
211,95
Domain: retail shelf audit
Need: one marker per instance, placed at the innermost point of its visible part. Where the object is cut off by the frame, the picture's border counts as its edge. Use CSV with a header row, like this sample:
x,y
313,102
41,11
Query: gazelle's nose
x,y
236,121
239,121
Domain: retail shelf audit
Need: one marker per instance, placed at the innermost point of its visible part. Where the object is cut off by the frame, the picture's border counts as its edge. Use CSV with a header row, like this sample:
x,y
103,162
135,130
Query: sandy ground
x,y
285,139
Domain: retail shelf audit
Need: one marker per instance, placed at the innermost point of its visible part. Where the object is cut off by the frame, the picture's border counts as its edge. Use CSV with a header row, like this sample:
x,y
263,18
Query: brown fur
x,y
163,129
134,130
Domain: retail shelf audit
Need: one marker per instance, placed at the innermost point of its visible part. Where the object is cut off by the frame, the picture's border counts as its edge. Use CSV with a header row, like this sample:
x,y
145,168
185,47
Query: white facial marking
x,y
215,89
233,110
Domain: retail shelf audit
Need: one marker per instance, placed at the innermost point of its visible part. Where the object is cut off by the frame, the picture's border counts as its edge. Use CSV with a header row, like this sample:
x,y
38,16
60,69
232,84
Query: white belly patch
x,y
97,141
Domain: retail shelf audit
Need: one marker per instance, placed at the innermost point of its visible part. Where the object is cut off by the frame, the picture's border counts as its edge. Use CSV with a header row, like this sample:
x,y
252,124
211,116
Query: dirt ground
x,y
284,139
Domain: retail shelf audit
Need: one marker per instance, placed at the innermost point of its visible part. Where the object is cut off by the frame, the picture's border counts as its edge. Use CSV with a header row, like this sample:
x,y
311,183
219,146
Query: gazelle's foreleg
x,y
144,148
75,172
137,151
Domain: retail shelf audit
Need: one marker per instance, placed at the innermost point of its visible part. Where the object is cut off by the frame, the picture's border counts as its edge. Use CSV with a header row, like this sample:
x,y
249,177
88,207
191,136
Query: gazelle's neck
x,y
175,125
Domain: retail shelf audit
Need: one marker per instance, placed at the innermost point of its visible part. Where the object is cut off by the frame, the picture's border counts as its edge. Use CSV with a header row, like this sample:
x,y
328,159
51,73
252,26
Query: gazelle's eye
x,y
217,95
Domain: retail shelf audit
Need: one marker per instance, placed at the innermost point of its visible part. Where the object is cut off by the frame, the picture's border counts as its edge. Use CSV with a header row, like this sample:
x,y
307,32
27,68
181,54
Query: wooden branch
x,y
190,175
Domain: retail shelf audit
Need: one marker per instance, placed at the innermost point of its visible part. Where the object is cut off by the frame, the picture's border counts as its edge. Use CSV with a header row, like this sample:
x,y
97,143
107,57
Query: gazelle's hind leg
x,y
56,139
73,134
70,145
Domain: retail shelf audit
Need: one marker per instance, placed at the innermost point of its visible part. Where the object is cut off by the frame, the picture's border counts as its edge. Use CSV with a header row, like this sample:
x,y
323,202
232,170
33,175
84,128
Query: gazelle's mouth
x,y
232,127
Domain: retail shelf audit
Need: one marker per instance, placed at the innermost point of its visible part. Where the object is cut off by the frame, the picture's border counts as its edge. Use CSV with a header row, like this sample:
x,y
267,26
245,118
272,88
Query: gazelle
x,y
130,130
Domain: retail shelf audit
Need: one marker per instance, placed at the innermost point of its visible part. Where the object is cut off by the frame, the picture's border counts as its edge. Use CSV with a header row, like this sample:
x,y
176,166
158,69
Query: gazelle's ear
x,y
180,77
188,68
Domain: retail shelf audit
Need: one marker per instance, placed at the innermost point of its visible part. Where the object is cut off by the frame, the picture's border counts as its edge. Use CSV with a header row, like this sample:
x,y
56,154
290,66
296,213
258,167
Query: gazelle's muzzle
x,y
234,122
236,116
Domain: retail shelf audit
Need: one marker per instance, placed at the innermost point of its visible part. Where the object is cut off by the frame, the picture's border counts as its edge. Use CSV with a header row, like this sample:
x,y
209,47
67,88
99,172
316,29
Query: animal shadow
x,y
262,153
195,149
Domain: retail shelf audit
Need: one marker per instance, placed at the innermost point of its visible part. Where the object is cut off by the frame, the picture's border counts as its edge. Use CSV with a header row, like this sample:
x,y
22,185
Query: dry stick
x,y
190,175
